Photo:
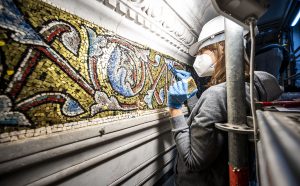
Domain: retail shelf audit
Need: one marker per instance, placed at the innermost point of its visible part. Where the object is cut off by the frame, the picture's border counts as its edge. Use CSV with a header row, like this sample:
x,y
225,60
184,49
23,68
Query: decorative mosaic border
x,y
61,70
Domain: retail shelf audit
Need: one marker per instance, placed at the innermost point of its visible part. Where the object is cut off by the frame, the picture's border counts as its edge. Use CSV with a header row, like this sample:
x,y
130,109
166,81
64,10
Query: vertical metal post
x,y
235,81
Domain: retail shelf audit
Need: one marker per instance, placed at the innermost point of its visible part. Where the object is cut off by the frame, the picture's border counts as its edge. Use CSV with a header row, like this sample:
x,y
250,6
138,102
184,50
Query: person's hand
x,y
178,92
181,74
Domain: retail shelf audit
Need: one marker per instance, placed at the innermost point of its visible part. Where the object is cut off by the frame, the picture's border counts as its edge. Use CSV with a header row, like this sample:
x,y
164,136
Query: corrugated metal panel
x,y
131,151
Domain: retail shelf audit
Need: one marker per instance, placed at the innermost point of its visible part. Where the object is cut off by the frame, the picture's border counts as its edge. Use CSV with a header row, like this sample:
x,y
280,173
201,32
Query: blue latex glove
x,y
181,74
178,92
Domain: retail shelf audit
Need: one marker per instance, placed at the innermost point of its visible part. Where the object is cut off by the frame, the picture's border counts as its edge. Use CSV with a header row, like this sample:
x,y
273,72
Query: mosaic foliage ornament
x,y
58,68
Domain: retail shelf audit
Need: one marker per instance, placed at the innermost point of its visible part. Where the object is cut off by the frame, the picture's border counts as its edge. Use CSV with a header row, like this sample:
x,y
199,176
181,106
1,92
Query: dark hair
x,y
219,74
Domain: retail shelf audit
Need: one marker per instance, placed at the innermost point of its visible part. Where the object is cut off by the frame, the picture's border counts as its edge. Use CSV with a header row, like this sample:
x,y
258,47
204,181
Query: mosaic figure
x,y
58,68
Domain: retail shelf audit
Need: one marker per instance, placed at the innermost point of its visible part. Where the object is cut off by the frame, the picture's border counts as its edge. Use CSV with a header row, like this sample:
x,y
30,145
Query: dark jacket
x,y
202,149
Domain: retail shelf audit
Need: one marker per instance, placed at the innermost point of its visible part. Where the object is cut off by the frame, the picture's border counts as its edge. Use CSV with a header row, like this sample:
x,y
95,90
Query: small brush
x,y
192,87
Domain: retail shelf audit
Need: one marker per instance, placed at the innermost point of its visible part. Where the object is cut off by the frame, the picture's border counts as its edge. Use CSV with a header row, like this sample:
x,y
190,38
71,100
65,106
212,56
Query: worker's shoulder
x,y
219,88
215,91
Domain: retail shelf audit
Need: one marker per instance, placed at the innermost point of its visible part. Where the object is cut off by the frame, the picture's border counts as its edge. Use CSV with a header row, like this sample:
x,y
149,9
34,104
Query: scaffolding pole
x,y
236,104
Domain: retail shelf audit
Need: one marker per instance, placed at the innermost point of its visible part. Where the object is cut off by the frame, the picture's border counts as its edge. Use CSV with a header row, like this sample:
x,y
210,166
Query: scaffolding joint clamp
x,y
234,128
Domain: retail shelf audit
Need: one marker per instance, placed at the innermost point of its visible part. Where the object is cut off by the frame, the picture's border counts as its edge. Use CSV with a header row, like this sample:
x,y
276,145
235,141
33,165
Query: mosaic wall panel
x,y
57,68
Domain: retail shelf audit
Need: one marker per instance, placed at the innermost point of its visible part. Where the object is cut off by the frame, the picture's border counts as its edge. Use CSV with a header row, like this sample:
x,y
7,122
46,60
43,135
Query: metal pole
x,y
235,81
252,23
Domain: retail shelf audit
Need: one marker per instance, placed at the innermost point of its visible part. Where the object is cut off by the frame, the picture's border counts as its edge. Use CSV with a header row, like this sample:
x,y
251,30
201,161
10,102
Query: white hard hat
x,y
212,32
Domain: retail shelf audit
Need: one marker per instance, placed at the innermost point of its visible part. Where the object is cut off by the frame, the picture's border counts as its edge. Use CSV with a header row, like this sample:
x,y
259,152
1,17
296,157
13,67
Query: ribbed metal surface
x,y
129,152
279,148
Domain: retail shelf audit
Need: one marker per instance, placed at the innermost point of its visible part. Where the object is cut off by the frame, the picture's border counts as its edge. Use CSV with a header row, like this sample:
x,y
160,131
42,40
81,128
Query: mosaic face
x,y
58,68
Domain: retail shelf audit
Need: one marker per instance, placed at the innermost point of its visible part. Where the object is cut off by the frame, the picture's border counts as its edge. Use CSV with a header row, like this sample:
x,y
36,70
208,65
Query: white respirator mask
x,y
204,65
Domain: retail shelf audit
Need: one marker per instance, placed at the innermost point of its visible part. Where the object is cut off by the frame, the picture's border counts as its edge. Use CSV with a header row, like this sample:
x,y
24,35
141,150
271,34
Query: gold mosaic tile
x,y
60,68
